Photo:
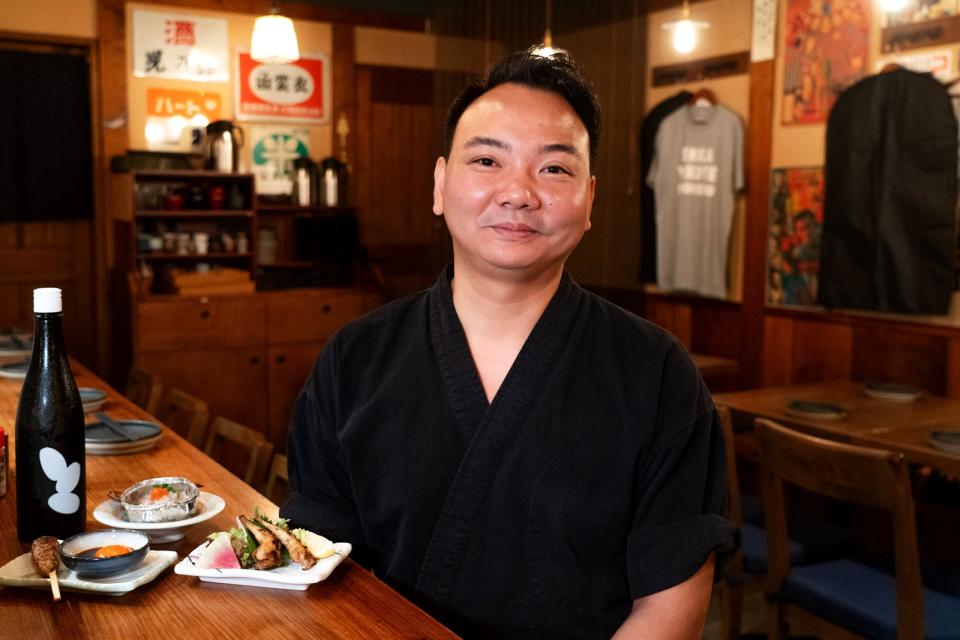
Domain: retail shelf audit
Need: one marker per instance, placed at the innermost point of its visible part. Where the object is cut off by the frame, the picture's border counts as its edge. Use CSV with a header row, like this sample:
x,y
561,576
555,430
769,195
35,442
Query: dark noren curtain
x,y
45,137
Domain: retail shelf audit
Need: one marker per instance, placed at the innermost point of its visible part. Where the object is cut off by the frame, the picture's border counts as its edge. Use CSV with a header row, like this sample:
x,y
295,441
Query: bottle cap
x,y
47,300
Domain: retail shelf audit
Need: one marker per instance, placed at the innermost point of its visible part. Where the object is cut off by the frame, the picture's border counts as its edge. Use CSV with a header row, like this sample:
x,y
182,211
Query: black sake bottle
x,y
50,450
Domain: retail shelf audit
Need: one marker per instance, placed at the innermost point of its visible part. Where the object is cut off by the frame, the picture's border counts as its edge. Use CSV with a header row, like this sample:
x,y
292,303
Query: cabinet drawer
x,y
314,318
192,323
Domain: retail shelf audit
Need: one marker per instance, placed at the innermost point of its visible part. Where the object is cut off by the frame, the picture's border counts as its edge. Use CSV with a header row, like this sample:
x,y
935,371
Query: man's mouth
x,y
515,227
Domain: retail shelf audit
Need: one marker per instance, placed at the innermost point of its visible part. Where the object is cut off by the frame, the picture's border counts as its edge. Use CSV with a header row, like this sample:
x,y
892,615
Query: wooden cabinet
x,y
247,356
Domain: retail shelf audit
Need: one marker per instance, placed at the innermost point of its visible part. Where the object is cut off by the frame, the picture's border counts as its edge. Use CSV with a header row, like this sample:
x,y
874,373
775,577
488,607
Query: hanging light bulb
x,y
546,49
893,6
274,40
685,30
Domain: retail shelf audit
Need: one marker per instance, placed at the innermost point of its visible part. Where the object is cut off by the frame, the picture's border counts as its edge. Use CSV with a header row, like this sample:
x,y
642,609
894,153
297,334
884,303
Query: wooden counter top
x,y
351,603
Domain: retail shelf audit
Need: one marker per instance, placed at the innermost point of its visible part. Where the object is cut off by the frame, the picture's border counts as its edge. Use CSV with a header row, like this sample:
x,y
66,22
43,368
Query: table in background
x,y
713,365
351,603
903,427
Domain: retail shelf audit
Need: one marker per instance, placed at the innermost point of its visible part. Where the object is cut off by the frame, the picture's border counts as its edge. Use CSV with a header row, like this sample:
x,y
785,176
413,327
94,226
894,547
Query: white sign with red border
x,y
294,92
180,45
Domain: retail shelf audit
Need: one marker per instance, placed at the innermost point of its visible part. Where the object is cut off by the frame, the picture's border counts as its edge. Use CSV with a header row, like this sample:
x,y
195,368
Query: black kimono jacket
x,y
891,196
595,476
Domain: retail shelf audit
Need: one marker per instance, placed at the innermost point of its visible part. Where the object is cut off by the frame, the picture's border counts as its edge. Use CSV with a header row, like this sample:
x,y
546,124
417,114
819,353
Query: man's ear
x,y
439,175
593,190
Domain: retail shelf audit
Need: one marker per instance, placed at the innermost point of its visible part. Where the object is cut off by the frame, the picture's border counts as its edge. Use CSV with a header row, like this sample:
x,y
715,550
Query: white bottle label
x,y
55,467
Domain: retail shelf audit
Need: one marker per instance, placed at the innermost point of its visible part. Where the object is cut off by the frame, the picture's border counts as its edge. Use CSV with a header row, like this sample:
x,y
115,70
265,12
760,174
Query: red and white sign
x,y
294,92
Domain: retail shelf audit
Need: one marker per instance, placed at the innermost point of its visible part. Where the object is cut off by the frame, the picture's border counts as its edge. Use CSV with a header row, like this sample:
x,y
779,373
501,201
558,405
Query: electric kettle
x,y
222,146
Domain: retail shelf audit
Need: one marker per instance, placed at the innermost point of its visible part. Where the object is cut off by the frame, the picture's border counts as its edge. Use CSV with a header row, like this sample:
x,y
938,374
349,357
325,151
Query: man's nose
x,y
519,191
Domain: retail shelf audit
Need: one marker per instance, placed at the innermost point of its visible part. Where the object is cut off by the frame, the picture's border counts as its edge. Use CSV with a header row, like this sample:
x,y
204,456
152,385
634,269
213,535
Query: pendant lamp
x,y
274,40
685,30
546,49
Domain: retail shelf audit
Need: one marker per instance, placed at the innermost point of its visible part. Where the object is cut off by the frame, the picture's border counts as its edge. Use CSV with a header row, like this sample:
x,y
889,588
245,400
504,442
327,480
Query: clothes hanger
x,y
703,94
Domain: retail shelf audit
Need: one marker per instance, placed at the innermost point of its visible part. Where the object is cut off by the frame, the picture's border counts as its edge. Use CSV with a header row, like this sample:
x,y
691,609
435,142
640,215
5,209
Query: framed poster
x,y
294,92
939,63
181,46
921,11
273,150
825,52
794,230
177,118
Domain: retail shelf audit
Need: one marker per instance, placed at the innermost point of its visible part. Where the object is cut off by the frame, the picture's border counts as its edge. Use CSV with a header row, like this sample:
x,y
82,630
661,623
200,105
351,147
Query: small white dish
x,y
110,513
288,576
120,448
20,572
892,391
948,441
92,398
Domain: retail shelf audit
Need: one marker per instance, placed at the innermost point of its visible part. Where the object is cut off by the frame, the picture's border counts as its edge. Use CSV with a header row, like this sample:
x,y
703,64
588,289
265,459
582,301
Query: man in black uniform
x,y
518,456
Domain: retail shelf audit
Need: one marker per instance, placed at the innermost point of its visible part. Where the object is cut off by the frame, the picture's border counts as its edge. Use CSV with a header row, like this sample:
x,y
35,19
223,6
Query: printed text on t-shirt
x,y
697,173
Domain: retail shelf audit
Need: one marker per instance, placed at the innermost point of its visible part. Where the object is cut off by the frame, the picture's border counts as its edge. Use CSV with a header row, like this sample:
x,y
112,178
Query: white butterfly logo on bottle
x,y
55,467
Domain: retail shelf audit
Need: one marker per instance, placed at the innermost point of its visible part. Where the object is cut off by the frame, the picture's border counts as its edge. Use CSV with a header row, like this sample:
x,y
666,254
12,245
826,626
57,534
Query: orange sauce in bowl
x,y
111,550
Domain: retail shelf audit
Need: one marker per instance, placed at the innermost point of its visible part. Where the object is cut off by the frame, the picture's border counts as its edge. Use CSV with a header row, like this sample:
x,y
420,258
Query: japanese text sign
x,y
298,91
174,102
184,46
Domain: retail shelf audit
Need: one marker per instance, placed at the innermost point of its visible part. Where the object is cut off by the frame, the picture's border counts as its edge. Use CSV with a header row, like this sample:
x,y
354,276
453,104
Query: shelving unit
x,y
182,201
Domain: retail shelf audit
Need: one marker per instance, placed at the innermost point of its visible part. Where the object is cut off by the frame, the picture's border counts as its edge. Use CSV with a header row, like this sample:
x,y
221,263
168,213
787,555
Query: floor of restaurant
x,y
754,621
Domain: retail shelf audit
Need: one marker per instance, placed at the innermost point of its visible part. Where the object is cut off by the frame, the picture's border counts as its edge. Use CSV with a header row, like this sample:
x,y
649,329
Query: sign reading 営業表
x,y
179,45
295,92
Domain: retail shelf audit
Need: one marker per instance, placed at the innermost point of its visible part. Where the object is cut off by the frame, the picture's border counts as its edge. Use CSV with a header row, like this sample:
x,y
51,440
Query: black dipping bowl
x,y
72,548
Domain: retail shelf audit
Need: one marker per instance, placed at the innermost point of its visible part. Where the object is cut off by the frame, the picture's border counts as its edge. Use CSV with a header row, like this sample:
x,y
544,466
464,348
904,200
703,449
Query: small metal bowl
x,y
72,552
137,508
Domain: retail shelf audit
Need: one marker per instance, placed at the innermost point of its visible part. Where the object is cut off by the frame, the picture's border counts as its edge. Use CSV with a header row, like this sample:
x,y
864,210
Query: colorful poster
x,y
796,222
180,45
273,150
177,118
825,52
295,92
921,11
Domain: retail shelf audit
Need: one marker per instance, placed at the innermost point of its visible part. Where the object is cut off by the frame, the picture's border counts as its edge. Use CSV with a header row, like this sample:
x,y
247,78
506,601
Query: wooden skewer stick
x,y
55,586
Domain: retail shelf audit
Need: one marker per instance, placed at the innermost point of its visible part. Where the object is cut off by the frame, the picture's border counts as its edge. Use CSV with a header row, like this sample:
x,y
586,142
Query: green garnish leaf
x,y
279,522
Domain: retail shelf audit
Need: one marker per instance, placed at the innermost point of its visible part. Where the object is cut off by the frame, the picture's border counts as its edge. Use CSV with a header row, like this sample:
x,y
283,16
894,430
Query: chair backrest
x,y
185,414
735,565
144,389
846,472
255,446
278,470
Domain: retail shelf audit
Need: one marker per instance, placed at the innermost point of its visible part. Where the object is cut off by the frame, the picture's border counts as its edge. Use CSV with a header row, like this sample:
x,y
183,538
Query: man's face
x,y
516,191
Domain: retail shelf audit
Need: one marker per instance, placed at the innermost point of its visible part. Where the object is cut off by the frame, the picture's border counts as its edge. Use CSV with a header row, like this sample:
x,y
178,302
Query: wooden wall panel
x,y
821,351
893,355
716,330
777,369
672,316
952,386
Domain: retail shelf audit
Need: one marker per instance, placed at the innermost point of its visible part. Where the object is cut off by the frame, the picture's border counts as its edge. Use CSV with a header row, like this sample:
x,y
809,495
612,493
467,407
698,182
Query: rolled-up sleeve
x,y
681,517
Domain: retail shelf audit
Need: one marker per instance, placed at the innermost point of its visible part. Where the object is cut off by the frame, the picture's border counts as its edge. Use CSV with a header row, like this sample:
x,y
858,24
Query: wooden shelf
x,y
194,213
296,209
193,256
174,174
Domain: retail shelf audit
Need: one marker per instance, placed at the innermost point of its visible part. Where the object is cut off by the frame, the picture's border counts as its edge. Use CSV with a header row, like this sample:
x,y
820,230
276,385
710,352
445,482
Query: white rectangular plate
x,y
288,576
20,572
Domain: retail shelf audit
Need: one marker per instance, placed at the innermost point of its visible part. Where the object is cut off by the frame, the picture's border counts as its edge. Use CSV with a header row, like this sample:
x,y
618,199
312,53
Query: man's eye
x,y
556,170
485,162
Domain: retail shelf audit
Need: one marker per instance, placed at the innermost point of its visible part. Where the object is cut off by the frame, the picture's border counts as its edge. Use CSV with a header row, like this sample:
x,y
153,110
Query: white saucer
x,y
20,572
92,398
110,513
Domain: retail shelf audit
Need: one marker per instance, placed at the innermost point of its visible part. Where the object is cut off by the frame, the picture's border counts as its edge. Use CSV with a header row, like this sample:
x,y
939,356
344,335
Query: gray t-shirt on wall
x,y
697,170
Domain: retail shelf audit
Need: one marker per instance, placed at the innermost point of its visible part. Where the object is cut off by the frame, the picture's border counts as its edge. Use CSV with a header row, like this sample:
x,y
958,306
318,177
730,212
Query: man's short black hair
x,y
557,73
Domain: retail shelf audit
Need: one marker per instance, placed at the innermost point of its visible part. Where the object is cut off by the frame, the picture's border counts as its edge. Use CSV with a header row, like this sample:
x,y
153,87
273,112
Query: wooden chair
x,y
144,389
868,601
255,447
186,415
810,542
278,470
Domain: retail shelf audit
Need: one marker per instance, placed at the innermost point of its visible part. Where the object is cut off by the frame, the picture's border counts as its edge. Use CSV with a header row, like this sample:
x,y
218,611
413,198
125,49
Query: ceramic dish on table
x,y
15,345
92,398
98,554
948,441
287,576
14,370
20,572
815,410
111,514
892,391
102,441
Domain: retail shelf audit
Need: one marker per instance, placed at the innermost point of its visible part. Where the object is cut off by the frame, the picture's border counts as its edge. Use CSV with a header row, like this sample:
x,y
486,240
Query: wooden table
x,y
903,427
713,365
351,603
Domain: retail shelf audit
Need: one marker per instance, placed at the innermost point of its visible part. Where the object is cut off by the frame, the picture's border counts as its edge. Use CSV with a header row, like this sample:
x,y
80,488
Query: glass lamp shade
x,y
684,36
274,41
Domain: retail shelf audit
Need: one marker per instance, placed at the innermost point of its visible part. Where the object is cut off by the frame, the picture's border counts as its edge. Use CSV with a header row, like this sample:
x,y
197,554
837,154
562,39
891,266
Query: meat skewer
x,y
45,552
298,552
267,555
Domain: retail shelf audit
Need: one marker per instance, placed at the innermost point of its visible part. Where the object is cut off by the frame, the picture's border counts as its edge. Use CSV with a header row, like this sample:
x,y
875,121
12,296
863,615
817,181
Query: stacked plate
x,y
815,410
92,398
948,441
102,441
15,370
892,391
12,344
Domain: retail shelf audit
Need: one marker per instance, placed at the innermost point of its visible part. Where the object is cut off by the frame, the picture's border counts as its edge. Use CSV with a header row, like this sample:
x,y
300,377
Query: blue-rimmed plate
x,y
101,441
15,370
92,398
892,391
815,410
